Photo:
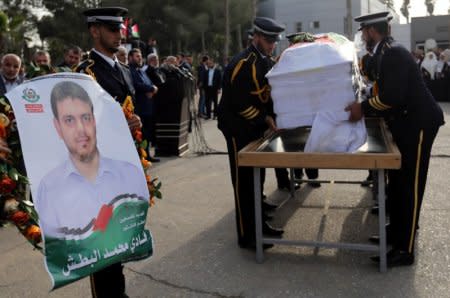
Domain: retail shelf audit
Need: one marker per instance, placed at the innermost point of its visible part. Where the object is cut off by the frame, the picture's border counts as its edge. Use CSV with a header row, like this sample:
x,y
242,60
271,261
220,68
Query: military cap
x,y
111,16
268,27
373,18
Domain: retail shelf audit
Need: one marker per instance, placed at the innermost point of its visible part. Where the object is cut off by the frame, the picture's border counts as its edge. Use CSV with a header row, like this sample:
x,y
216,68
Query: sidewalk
x,y
196,252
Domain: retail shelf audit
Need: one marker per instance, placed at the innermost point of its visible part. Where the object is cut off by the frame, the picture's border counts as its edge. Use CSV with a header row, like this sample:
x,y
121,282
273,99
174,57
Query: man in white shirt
x,y
212,85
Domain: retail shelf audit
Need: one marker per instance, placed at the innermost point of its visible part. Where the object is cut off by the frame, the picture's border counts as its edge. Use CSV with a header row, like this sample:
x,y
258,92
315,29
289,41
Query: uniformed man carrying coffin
x,y
245,112
413,117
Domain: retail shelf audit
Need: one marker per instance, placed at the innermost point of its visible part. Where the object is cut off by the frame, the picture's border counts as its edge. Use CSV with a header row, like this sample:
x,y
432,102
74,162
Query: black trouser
x,y
282,176
310,173
243,186
211,97
108,282
407,185
148,128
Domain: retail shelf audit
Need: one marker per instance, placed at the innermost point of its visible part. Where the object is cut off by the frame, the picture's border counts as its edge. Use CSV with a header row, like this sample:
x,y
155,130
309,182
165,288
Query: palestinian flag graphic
x,y
117,234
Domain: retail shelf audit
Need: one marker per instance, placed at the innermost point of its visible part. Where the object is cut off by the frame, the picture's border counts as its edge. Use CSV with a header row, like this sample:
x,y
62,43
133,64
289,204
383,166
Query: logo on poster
x,y
30,95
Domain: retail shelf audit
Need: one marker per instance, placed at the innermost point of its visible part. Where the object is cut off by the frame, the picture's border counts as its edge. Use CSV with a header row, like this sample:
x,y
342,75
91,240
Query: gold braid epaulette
x,y
86,69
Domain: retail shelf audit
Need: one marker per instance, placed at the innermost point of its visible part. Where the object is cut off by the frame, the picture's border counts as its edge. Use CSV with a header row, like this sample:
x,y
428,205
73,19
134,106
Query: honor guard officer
x,y
245,112
413,117
104,25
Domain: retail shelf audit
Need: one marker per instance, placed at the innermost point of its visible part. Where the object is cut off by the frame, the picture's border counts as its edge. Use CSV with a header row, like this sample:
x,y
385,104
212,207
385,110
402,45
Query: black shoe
x,y
287,186
268,230
396,257
153,159
266,206
252,246
368,181
314,184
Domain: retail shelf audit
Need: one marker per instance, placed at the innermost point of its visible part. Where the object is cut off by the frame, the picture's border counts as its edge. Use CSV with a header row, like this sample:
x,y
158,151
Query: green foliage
x,y
15,21
192,26
178,26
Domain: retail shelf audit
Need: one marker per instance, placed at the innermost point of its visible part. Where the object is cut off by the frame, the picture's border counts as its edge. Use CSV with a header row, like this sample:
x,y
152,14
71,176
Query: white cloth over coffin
x,y
311,77
332,132
313,55
298,97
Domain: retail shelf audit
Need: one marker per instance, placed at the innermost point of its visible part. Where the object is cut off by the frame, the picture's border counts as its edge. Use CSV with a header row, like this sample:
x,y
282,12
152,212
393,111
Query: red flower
x,y
20,218
7,185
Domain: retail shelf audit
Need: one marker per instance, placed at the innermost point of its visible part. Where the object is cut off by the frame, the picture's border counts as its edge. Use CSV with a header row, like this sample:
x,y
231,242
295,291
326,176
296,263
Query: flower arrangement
x,y
15,208
153,184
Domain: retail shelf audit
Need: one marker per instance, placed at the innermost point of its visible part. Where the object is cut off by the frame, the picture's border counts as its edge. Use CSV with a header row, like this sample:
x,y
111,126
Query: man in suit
x,y
202,69
153,71
413,117
9,73
145,91
104,26
212,83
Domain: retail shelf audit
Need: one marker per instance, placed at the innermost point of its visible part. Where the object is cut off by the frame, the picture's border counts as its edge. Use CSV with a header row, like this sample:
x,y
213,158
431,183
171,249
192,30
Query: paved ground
x,y
195,244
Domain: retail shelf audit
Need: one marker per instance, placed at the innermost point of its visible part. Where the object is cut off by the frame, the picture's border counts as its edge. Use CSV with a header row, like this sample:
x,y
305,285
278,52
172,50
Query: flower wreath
x,y
153,184
14,206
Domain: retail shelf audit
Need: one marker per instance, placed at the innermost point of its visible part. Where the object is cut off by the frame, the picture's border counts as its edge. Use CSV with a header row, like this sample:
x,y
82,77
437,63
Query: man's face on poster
x,y
76,126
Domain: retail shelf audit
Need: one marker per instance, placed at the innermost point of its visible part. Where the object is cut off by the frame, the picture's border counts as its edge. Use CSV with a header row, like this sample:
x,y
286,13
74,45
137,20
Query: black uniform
x,y
110,281
413,117
115,80
242,111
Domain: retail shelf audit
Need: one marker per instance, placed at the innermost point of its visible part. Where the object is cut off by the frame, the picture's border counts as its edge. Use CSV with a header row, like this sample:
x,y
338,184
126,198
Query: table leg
x,y
292,181
258,219
382,220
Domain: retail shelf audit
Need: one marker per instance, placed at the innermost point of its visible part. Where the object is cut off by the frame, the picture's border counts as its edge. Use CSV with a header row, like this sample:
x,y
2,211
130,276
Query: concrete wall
x,y
331,14
435,27
402,34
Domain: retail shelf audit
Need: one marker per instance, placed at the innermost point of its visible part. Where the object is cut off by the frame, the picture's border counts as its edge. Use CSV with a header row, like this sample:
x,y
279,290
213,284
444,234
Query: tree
x,y
189,26
389,3
405,10
430,6
57,32
17,23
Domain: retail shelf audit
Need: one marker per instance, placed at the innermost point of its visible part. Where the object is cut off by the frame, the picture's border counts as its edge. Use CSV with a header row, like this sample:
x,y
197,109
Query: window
x,y
314,25
298,27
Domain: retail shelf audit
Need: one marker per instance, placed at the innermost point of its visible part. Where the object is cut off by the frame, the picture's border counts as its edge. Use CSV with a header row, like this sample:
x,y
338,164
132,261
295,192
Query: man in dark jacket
x,y
145,91
413,117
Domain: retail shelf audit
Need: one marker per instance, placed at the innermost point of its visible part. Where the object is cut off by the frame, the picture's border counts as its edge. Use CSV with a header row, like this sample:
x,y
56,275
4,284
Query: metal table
x,y
284,149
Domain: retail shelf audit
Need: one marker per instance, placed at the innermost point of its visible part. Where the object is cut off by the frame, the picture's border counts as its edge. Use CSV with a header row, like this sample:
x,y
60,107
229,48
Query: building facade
x,y
321,16
434,27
